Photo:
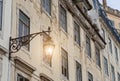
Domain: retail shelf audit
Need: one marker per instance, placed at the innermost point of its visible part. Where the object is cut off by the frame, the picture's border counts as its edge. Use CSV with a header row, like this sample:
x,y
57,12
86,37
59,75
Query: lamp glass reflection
x,y
49,47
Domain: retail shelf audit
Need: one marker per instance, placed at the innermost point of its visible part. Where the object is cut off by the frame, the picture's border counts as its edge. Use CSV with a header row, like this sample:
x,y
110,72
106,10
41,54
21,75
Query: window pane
x,y
88,47
103,33
97,57
20,29
90,77
112,73
47,5
76,33
24,18
110,45
105,66
1,4
62,18
116,54
21,78
112,23
78,72
24,26
64,63
118,77
119,25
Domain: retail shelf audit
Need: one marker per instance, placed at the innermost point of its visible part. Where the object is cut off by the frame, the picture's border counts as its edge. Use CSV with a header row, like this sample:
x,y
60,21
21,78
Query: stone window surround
x,y
78,32
23,68
45,76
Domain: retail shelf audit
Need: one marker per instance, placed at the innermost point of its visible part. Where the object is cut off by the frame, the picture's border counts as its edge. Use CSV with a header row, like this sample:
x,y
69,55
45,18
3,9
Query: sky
x,y
113,4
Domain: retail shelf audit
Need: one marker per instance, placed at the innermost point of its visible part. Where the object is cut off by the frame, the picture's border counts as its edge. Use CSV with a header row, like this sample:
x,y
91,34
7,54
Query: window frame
x,y
88,48
24,78
103,33
116,54
78,69
63,24
112,73
112,23
24,25
110,45
105,66
65,65
97,56
119,26
77,31
43,77
1,1
90,77
118,76
45,7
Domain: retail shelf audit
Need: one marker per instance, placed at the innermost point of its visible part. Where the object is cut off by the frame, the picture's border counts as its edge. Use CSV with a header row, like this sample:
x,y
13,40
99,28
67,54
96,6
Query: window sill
x,y
25,51
47,14
77,45
63,31
98,67
47,66
63,78
106,75
90,58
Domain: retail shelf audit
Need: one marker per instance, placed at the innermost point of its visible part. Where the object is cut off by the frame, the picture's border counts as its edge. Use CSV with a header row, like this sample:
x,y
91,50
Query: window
x,y
76,33
78,72
119,26
97,51
44,78
112,23
95,4
47,5
24,26
63,18
21,78
0,68
112,73
90,77
116,54
88,47
110,44
118,77
105,66
64,63
1,7
103,33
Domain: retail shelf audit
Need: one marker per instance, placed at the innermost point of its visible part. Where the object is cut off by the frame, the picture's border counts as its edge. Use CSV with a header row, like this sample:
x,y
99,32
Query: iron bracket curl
x,y
15,44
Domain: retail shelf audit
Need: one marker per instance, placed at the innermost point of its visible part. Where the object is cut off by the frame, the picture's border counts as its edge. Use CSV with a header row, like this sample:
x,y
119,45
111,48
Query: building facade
x,y
86,46
109,22
5,25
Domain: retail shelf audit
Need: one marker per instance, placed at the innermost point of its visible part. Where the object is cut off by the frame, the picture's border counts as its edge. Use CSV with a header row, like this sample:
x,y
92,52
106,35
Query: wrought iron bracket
x,y
15,44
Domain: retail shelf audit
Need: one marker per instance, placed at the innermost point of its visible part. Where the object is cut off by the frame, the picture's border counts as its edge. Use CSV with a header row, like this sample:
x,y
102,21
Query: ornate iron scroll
x,y
15,44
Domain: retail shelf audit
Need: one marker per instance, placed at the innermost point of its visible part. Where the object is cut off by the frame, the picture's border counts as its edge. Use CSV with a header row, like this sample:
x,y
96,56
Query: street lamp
x,y
15,44
48,46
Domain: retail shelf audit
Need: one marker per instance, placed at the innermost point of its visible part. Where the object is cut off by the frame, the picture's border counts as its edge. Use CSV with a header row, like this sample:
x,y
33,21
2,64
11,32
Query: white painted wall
x,y
4,38
6,25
